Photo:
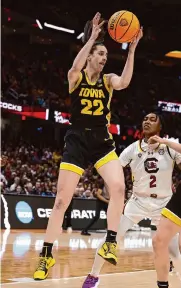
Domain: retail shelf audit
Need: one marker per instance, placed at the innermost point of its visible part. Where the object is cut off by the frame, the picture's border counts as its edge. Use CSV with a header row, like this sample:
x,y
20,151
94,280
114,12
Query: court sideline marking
x,y
30,280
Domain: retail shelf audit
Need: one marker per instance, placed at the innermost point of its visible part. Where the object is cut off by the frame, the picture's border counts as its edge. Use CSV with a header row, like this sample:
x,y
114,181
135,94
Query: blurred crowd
x,y
33,171
37,76
33,81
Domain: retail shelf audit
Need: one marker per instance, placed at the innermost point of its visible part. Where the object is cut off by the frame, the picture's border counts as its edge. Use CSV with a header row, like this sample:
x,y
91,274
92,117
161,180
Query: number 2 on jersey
x,y
89,104
153,181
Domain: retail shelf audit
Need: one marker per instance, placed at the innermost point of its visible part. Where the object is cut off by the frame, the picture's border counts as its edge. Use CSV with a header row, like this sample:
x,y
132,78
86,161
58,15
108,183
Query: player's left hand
x,y
96,26
155,139
135,41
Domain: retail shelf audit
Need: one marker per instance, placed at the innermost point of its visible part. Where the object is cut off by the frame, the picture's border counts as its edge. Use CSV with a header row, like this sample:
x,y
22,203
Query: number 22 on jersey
x,y
90,104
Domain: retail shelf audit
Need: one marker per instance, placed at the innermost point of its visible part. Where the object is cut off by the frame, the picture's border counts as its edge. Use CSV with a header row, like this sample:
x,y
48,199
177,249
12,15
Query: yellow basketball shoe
x,y
44,264
108,252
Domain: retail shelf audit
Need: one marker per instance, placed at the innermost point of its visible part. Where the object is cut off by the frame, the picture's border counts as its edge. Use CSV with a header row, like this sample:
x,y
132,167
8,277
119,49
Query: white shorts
x,y
137,208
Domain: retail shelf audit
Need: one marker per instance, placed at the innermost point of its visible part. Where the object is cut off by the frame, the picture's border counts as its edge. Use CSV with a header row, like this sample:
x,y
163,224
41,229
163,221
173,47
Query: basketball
x,y
123,26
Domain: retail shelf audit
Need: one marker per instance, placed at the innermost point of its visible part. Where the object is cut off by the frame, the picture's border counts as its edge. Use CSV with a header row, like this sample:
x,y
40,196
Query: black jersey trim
x,y
169,153
77,83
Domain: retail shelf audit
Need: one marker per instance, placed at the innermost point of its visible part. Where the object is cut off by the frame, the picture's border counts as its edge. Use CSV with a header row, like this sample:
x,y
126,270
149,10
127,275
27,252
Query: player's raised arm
x,y
123,81
173,145
81,58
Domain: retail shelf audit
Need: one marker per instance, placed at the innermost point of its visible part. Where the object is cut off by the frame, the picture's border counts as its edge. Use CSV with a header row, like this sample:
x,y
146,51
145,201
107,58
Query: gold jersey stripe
x,y
107,158
71,167
170,215
77,83
109,89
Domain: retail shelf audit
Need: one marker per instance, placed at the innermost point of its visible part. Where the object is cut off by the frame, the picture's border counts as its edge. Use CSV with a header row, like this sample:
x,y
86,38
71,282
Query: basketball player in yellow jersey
x,y
88,139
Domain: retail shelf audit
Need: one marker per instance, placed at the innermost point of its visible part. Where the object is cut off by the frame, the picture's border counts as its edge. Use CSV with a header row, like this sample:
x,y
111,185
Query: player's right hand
x,y
135,41
156,139
96,27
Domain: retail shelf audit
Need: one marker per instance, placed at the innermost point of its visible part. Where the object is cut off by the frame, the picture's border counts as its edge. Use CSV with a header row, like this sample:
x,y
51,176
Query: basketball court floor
x,y
74,256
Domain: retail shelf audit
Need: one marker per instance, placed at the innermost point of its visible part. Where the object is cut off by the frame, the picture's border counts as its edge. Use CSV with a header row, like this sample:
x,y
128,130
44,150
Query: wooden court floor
x,y
74,256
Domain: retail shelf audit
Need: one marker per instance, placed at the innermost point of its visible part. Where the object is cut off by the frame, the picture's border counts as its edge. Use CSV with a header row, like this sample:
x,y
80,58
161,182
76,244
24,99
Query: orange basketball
x,y
123,26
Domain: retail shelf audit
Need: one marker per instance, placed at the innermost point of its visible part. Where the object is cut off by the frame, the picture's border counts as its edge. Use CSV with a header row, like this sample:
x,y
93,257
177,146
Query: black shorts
x,y
173,209
86,146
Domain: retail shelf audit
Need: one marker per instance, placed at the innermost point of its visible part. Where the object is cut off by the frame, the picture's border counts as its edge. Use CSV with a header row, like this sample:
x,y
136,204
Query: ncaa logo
x,y
24,212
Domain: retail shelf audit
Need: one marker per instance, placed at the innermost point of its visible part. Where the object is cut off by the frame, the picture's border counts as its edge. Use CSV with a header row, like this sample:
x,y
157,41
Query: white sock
x,y
125,225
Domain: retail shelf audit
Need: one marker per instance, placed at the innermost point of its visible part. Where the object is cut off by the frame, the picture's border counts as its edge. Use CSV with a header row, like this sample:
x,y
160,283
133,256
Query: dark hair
x,y
159,115
88,31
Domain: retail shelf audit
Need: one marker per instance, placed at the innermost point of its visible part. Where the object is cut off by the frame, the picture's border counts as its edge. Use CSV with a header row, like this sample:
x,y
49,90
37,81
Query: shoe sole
x,y
97,284
38,279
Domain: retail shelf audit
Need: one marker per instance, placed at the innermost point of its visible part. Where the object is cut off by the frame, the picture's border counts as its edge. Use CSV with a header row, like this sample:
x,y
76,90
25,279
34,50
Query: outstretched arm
x,y
80,60
121,82
173,145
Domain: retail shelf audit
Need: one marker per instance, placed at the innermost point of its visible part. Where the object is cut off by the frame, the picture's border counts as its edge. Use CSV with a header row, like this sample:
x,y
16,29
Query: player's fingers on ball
x,y
139,34
134,40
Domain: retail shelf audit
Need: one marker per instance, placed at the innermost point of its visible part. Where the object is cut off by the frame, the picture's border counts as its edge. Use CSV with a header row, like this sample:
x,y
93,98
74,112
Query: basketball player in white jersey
x,y
152,184
169,225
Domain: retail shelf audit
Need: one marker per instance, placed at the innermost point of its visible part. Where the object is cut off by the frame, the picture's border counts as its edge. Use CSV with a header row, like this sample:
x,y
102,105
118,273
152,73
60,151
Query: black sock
x,y
111,236
162,284
47,249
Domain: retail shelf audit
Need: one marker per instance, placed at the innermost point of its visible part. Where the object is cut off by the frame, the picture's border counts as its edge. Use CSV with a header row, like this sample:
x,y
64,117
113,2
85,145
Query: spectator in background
x,y
79,190
48,192
15,184
3,179
54,190
102,201
28,188
87,194
56,156
2,188
19,190
37,188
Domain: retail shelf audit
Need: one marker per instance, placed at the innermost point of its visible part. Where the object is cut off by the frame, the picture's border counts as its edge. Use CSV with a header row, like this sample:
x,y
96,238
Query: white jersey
x,y
151,169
